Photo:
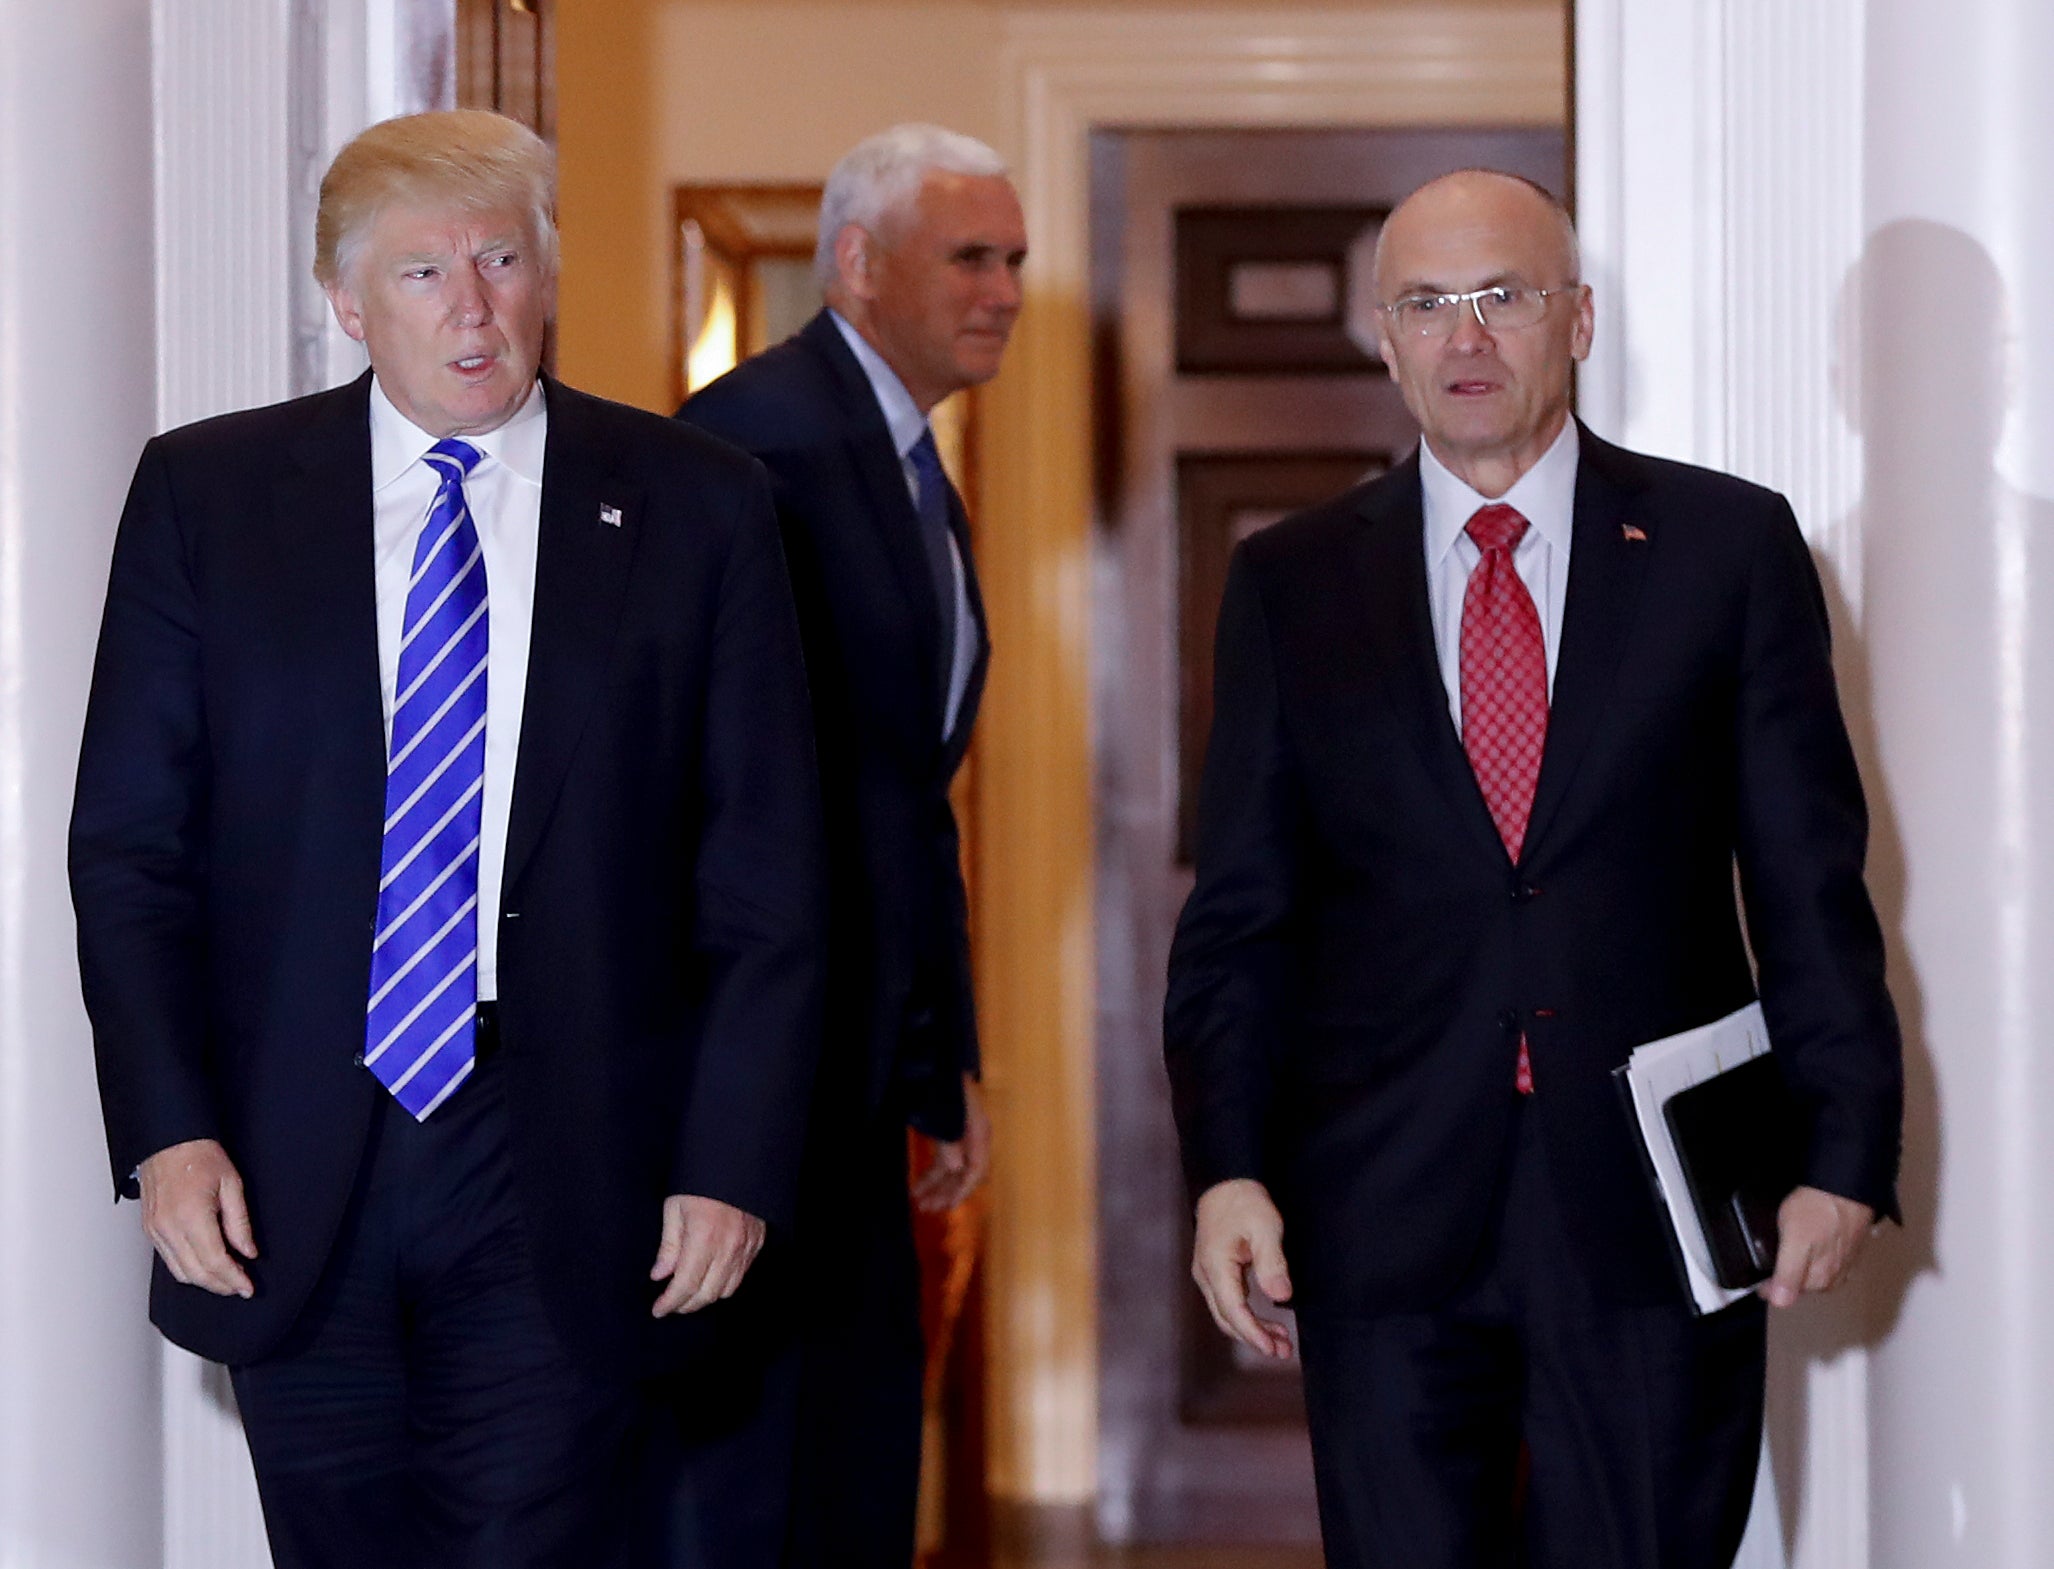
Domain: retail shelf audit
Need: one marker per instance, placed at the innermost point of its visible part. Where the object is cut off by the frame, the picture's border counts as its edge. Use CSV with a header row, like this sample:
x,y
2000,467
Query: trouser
x,y
808,1454
423,1411
1642,1424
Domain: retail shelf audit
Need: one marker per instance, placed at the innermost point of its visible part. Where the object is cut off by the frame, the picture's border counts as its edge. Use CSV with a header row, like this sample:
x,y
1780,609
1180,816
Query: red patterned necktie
x,y
1504,689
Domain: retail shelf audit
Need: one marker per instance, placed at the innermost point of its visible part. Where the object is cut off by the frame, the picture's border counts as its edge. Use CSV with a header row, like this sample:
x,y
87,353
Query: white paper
x,y
1664,1068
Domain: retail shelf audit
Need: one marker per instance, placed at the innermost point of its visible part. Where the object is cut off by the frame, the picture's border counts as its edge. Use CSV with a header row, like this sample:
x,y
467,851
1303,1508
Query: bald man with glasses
x,y
1492,734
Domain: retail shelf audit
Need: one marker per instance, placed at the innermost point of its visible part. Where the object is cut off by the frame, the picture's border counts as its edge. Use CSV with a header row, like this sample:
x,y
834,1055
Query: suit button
x,y
1524,892
357,1060
1509,1020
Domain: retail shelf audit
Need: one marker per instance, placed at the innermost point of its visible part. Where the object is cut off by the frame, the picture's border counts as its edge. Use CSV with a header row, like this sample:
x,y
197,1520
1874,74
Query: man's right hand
x,y
193,1213
1239,1230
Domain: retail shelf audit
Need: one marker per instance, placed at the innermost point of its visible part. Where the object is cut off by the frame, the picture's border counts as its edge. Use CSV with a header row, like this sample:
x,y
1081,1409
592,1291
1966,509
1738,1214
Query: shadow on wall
x,y
1931,409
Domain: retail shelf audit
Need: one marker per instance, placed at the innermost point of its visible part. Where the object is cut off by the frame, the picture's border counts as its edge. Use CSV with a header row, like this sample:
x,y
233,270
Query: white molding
x,y
222,82
212,1519
1719,196
1065,73
1068,73
251,99
223,105
1720,185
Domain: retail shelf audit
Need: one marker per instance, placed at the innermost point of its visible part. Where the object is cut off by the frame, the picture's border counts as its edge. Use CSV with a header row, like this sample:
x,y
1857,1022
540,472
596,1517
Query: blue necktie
x,y
934,538
419,1035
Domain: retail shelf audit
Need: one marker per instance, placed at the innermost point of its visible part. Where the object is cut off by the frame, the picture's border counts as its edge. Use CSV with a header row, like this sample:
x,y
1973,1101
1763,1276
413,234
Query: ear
x,y
349,310
1586,324
855,260
1384,349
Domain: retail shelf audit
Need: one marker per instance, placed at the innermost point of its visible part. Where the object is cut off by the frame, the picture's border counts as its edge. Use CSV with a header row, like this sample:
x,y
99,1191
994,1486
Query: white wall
x,y
78,1406
1820,231
1958,413
158,160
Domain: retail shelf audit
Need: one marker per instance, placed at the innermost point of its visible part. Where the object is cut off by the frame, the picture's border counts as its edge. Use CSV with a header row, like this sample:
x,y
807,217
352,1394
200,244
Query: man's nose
x,y
1005,292
469,304
1469,332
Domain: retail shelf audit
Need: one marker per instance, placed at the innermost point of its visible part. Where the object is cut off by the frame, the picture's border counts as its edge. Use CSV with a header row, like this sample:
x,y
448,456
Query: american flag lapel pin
x,y
1632,534
610,516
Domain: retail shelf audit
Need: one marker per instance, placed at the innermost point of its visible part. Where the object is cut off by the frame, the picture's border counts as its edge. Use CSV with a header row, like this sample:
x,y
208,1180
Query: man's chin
x,y
1472,438
480,410
974,370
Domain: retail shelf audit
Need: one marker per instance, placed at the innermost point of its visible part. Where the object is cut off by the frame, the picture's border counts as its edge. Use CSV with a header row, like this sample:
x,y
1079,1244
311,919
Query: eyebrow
x,y
418,258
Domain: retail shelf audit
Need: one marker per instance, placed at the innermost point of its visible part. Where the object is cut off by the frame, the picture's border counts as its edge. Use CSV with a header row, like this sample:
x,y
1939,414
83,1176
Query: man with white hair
x,y
447,861
920,250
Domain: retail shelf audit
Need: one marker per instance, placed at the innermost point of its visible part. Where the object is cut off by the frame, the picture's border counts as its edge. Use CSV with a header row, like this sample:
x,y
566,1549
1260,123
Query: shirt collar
x,y
902,416
1545,495
397,443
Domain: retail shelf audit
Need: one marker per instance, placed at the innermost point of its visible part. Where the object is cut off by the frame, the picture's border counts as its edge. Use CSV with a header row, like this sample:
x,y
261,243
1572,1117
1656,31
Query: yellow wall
x,y
651,94
655,92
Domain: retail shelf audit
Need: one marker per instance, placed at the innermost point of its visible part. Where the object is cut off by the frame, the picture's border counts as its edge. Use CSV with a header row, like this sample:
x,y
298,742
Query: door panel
x,y
1237,382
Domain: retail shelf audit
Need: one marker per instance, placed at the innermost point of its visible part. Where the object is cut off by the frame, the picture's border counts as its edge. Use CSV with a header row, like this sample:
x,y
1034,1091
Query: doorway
x,y
1236,381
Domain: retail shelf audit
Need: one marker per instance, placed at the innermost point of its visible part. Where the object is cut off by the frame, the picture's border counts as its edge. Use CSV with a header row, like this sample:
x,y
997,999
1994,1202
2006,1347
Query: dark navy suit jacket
x,y
1358,959
660,940
900,966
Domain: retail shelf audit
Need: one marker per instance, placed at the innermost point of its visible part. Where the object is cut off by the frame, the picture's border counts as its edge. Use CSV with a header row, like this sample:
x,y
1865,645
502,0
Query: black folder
x,y
1740,1139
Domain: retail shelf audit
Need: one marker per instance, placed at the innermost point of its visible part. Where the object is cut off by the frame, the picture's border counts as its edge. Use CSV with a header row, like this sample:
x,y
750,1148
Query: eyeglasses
x,y
1503,307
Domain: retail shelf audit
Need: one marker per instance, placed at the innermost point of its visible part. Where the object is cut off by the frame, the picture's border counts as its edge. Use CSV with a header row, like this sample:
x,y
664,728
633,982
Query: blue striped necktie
x,y
419,1034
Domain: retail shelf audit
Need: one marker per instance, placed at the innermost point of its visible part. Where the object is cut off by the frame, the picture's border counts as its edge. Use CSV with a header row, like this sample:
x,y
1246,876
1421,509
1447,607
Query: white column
x,y
226,319
1719,187
78,1393
1958,408
252,98
1720,151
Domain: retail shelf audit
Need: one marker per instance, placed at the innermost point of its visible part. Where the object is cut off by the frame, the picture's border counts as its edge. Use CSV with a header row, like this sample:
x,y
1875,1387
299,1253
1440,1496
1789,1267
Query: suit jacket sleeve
x,y
138,849
1802,836
1229,963
760,891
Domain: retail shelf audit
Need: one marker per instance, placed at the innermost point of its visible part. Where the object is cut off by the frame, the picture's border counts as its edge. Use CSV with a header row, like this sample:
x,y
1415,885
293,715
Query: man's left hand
x,y
707,1248
1819,1235
958,1168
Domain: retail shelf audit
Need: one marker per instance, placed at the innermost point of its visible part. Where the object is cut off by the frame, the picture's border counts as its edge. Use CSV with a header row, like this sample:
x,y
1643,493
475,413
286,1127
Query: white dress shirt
x,y
1545,496
504,493
902,417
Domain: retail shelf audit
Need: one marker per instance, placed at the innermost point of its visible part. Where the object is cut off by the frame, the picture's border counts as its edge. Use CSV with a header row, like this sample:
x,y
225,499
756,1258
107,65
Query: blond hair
x,y
472,159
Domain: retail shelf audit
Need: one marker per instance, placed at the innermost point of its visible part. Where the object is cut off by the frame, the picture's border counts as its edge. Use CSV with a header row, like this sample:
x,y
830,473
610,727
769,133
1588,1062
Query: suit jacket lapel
x,y
1398,623
581,578
885,501
1606,567
324,507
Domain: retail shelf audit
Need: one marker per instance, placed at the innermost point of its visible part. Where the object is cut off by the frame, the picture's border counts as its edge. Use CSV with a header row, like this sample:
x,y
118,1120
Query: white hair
x,y
882,174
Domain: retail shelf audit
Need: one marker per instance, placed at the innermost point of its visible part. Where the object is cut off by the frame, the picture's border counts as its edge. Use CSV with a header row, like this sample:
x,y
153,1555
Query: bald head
x,y
1490,379
1471,199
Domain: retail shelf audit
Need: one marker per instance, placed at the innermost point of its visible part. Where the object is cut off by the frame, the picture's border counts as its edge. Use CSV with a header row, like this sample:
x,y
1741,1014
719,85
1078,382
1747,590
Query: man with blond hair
x,y
1493,735
447,861
920,246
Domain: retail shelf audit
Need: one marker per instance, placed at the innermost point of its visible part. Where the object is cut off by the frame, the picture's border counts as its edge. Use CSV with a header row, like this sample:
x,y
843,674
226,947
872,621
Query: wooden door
x,y
506,60
1237,382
